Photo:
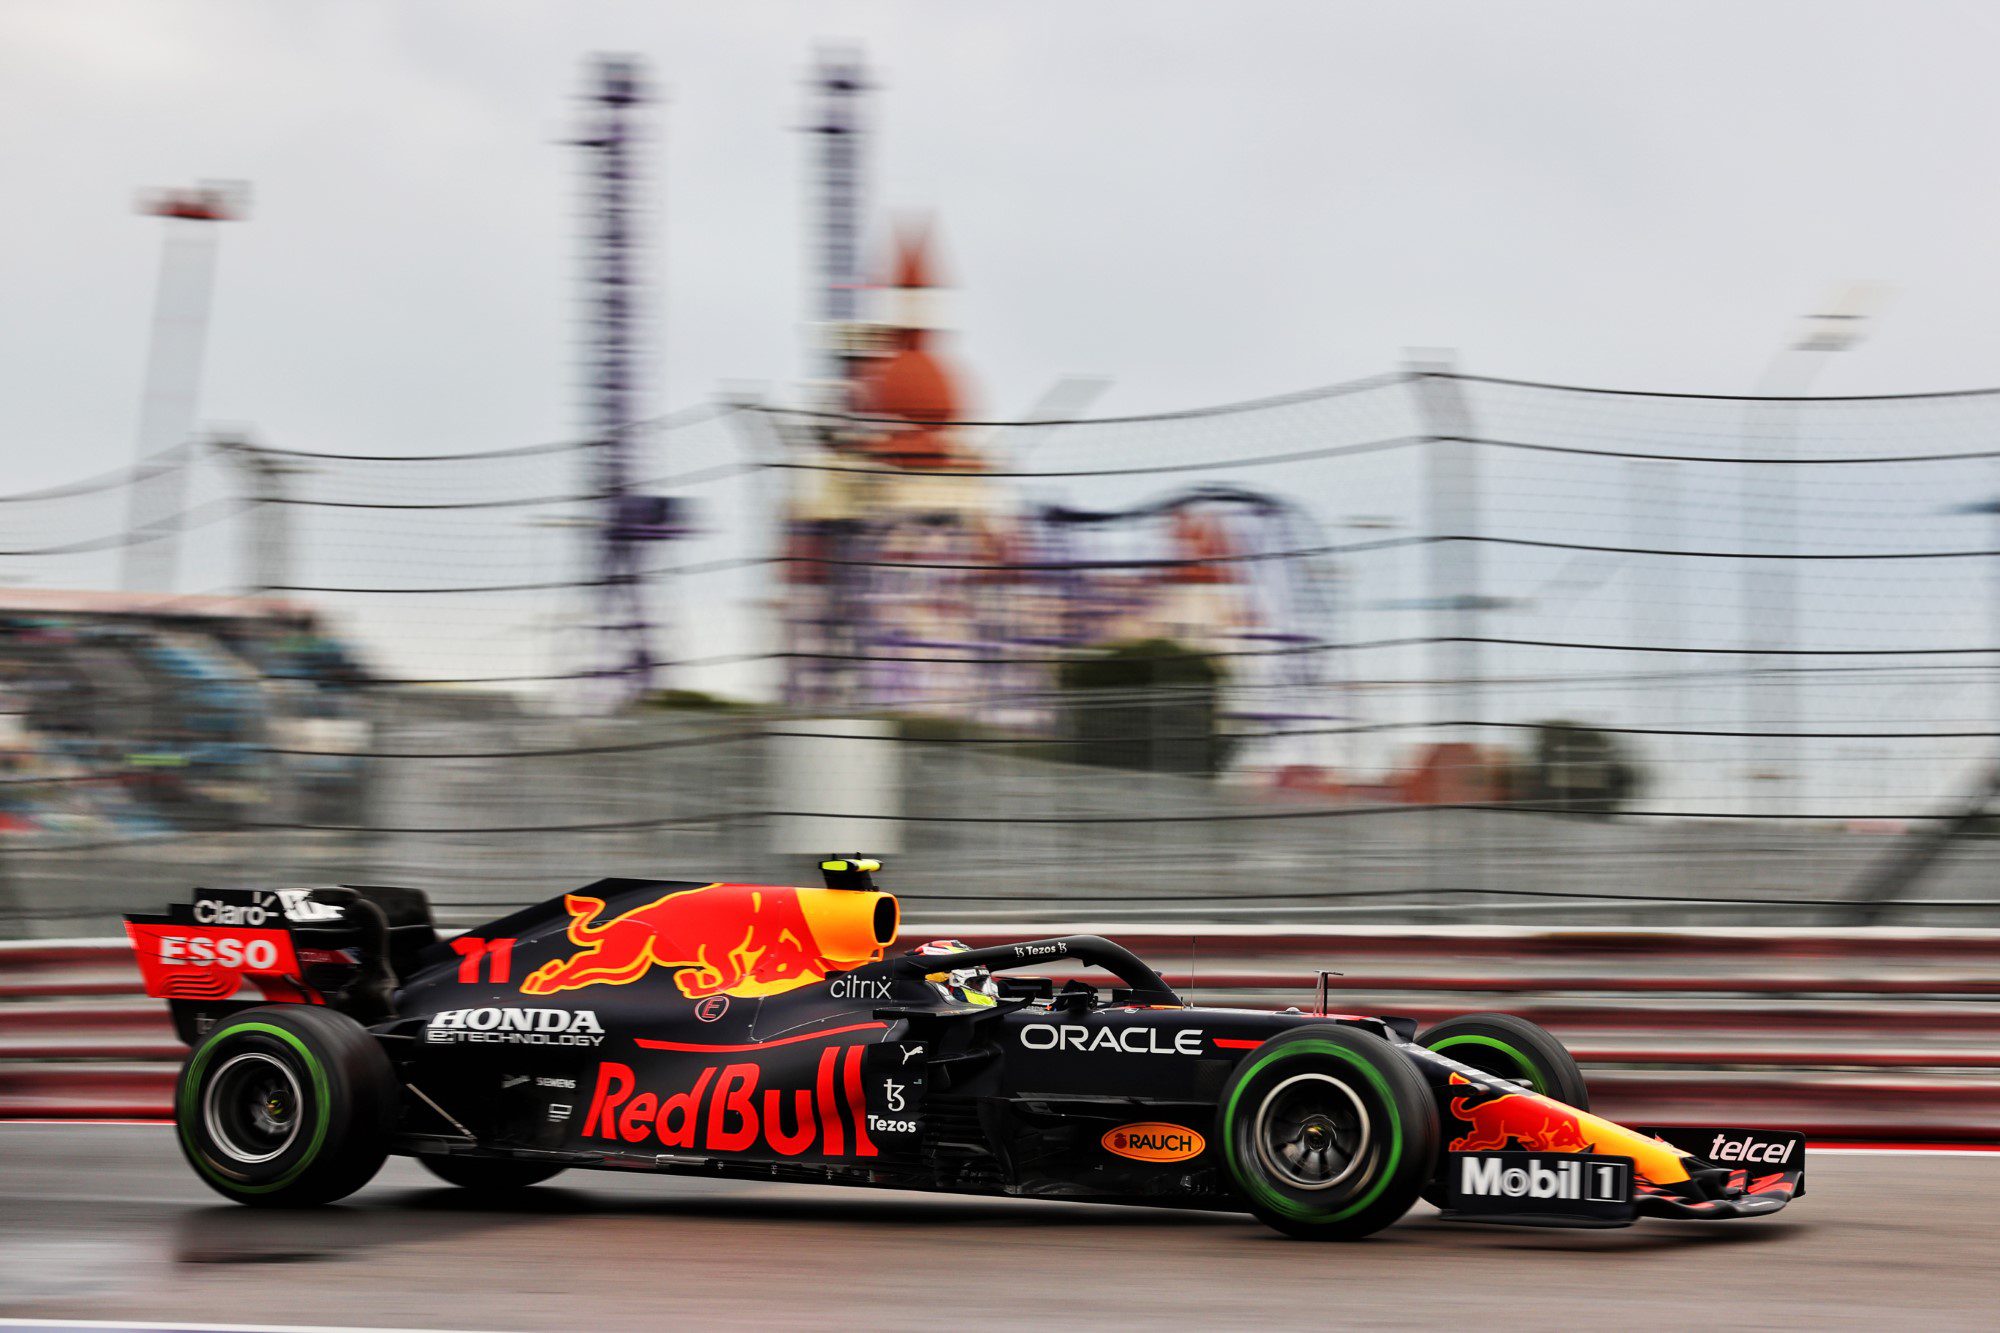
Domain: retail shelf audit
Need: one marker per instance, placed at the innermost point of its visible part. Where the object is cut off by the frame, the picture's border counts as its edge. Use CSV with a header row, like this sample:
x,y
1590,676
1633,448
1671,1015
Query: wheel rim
x,y
1312,1132
251,1107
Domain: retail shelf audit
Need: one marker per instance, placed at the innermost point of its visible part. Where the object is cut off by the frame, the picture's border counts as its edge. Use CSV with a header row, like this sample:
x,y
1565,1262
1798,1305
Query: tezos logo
x,y
1153,1142
714,1007
857,988
1747,1149
1131,1041
520,1027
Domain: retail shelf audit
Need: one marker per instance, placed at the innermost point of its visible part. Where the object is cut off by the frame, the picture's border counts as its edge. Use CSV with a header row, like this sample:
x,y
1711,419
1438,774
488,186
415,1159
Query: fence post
x,y
1452,592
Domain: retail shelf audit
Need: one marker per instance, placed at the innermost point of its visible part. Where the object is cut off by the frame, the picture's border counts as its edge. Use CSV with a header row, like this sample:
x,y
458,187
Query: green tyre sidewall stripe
x,y
1522,1060
1282,1203
190,1107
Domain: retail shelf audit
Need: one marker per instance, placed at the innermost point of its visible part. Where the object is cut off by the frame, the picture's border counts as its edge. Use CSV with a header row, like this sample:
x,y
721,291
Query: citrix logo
x,y
1130,1041
857,988
1726,1149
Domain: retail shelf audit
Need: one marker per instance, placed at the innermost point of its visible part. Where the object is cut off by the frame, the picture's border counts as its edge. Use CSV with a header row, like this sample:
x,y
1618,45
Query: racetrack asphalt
x,y
107,1222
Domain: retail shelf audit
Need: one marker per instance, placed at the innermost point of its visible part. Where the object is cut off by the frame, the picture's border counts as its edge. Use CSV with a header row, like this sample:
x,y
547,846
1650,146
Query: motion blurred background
x,y
1143,464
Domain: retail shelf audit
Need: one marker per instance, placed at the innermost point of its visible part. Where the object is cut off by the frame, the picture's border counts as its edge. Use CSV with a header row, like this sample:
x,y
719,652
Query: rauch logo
x,y
1153,1142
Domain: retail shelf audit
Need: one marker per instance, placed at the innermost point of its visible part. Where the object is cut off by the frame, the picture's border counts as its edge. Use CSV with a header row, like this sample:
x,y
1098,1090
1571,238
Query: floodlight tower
x,y
173,376
839,81
1770,529
612,131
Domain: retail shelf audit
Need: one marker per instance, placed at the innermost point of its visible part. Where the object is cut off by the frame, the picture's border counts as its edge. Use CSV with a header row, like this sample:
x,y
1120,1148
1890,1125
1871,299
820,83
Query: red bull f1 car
x,y
767,1032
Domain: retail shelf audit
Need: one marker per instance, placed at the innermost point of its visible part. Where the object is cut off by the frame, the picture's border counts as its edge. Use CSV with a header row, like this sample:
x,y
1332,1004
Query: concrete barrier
x,y
1877,1034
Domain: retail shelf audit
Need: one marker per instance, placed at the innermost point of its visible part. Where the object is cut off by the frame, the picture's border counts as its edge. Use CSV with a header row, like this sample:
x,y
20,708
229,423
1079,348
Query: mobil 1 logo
x,y
1556,1188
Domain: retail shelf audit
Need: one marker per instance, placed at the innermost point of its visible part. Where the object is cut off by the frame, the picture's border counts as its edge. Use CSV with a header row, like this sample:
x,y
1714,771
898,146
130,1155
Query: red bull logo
x,y
723,939
726,1112
1535,1123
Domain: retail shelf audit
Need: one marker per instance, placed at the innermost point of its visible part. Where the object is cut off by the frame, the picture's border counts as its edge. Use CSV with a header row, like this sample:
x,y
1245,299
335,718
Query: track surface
x,y
107,1222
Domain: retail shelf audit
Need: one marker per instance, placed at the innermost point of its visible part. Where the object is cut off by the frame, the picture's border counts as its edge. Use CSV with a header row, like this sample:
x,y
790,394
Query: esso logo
x,y
218,951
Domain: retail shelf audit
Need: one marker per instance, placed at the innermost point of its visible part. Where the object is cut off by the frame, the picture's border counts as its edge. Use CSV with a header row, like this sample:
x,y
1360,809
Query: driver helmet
x,y
963,985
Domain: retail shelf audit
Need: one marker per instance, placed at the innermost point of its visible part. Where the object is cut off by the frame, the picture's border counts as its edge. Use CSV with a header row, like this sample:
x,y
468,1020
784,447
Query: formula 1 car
x,y
766,1032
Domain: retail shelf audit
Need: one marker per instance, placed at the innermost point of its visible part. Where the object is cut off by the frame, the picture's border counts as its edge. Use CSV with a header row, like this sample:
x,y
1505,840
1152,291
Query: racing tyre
x,y
1329,1132
489,1175
1514,1049
286,1106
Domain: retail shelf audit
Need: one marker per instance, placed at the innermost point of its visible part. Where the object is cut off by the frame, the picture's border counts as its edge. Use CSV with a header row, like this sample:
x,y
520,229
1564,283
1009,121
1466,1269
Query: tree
x,y
1576,767
1148,704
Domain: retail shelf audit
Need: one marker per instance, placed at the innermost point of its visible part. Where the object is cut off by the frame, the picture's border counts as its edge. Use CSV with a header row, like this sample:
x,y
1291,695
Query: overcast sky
x,y
1202,202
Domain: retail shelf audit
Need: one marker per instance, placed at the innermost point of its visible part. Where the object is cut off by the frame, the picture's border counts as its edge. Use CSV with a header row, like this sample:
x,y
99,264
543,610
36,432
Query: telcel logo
x,y
1153,1142
1726,1149
1131,1041
1487,1176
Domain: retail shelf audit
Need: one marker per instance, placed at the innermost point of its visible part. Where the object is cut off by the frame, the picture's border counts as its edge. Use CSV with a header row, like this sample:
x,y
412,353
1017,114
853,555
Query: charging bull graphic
x,y
725,939
1536,1124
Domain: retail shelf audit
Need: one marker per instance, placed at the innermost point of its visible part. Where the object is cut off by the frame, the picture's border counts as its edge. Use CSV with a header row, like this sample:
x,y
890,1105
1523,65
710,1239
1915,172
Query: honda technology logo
x,y
1773,1152
519,1027
1131,1041
1578,1182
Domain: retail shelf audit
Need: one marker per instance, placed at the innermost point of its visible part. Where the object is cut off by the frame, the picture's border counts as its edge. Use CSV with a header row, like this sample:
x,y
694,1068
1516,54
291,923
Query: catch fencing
x,y
1774,623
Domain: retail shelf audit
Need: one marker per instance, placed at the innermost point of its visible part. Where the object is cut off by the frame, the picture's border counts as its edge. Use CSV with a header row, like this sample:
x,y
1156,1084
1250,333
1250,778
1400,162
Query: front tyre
x,y
489,1175
1514,1049
286,1106
1329,1132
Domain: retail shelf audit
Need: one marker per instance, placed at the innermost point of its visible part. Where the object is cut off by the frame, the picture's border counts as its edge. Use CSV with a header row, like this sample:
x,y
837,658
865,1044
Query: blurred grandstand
x,y
124,716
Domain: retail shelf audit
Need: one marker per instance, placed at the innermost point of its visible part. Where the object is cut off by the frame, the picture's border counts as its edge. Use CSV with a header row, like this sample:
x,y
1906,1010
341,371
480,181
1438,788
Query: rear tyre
x,y
286,1106
1514,1049
1329,1132
489,1175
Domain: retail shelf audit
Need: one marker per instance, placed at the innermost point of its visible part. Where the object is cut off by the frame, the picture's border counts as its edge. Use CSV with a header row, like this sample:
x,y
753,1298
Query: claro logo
x,y
1130,1041
1153,1142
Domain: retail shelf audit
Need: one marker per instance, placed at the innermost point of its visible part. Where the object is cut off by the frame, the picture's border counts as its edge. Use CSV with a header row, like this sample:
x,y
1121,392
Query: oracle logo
x,y
1130,1041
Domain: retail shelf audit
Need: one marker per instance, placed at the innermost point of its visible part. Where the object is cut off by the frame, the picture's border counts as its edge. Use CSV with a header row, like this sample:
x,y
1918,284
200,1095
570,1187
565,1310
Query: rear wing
x,y
229,949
